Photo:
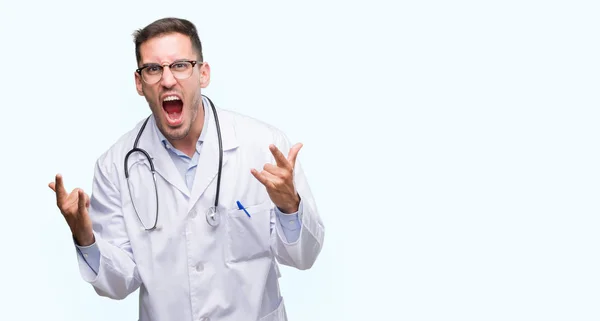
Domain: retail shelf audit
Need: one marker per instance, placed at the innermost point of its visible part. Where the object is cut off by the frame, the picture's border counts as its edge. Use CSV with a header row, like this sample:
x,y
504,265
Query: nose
x,y
168,80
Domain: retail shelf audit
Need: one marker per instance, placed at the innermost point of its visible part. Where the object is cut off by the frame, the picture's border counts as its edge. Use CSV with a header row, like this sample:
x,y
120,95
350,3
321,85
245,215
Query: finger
x,y
294,153
87,200
273,179
59,188
277,171
82,200
52,186
267,179
279,157
260,177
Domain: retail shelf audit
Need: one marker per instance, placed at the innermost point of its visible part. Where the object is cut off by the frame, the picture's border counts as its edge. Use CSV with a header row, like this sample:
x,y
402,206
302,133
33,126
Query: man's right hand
x,y
74,208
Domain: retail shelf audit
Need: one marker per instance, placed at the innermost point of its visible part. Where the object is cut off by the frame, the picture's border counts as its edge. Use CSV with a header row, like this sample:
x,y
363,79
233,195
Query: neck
x,y
187,145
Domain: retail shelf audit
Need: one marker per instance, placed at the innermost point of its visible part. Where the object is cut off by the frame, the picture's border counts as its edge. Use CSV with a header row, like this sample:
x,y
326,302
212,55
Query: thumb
x,y
294,153
82,202
87,201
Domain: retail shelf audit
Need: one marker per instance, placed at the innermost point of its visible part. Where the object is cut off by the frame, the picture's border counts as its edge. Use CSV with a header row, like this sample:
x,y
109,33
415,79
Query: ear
x,y
204,75
138,83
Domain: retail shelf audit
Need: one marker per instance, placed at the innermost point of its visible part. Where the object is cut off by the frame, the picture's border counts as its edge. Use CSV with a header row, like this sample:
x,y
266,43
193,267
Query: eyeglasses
x,y
181,69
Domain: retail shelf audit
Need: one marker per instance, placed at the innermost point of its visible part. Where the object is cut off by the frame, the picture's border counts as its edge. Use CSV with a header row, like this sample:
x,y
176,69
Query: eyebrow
x,y
157,64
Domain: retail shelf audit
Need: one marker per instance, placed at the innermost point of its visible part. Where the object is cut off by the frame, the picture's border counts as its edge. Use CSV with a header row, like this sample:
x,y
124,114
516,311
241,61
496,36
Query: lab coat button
x,y
205,319
193,213
200,268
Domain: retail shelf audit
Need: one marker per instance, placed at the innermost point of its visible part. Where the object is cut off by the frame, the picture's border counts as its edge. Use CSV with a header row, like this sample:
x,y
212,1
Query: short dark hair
x,y
165,26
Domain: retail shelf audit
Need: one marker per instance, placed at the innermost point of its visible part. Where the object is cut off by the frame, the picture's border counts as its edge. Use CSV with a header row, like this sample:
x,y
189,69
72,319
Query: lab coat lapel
x,y
208,161
163,164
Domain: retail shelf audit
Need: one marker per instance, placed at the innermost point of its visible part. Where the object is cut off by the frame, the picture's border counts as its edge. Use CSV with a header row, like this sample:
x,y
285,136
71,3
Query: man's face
x,y
174,102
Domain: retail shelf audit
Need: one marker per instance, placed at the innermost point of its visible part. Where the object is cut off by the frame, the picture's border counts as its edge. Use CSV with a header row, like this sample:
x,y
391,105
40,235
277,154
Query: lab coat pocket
x,y
249,236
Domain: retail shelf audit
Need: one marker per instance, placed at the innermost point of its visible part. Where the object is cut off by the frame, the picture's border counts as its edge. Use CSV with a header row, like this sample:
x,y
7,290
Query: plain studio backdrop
x,y
452,147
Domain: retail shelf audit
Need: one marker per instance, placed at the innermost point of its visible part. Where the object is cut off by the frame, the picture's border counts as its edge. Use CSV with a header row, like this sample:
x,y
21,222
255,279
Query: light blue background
x,y
452,147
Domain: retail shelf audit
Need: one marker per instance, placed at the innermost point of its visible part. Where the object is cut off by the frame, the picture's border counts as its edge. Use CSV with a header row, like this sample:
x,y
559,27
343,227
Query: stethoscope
x,y
212,216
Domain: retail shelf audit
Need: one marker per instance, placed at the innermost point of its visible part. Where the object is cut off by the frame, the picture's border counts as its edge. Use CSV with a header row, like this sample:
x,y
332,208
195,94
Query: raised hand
x,y
279,179
74,207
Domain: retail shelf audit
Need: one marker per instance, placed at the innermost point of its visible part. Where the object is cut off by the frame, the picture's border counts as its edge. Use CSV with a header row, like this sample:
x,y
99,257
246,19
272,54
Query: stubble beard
x,y
181,131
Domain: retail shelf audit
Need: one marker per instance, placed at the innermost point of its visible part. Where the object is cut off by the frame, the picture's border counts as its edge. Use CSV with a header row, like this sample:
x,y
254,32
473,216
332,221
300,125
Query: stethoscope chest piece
x,y
212,216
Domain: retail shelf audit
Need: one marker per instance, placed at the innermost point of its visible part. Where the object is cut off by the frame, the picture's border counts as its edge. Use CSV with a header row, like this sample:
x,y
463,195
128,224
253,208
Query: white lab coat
x,y
188,270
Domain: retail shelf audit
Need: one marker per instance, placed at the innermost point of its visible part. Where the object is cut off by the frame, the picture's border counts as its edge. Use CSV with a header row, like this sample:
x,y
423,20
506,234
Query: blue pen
x,y
241,207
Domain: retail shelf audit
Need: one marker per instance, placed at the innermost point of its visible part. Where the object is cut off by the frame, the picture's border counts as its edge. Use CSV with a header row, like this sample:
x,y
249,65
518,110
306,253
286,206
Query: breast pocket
x,y
249,237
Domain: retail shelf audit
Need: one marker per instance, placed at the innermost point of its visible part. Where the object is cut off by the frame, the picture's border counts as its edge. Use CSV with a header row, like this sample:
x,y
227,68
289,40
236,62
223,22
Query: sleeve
x,y
290,223
109,266
301,247
91,255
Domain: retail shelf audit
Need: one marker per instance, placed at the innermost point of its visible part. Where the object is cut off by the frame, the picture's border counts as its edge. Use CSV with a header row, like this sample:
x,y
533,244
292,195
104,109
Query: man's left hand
x,y
279,179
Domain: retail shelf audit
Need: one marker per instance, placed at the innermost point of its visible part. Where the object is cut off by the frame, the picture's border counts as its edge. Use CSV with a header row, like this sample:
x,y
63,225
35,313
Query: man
x,y
191,263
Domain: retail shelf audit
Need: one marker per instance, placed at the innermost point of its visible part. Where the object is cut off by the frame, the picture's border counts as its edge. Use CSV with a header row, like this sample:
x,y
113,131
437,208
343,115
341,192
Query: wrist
x,y
292,207
84,240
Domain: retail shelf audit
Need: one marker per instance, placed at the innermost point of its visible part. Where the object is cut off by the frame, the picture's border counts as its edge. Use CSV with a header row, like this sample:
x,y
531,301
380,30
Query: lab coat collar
x,y
208,161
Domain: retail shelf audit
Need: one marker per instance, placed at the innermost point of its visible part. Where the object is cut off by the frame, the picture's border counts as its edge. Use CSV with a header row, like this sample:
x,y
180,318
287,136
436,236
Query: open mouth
x,y
173,107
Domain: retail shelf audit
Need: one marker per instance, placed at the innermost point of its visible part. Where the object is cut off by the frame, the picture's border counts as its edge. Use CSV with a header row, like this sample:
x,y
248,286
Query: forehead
x,y
167,48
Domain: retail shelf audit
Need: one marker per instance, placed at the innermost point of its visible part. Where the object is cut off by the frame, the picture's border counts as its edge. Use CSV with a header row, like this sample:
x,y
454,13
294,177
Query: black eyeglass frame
x,y
162,68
